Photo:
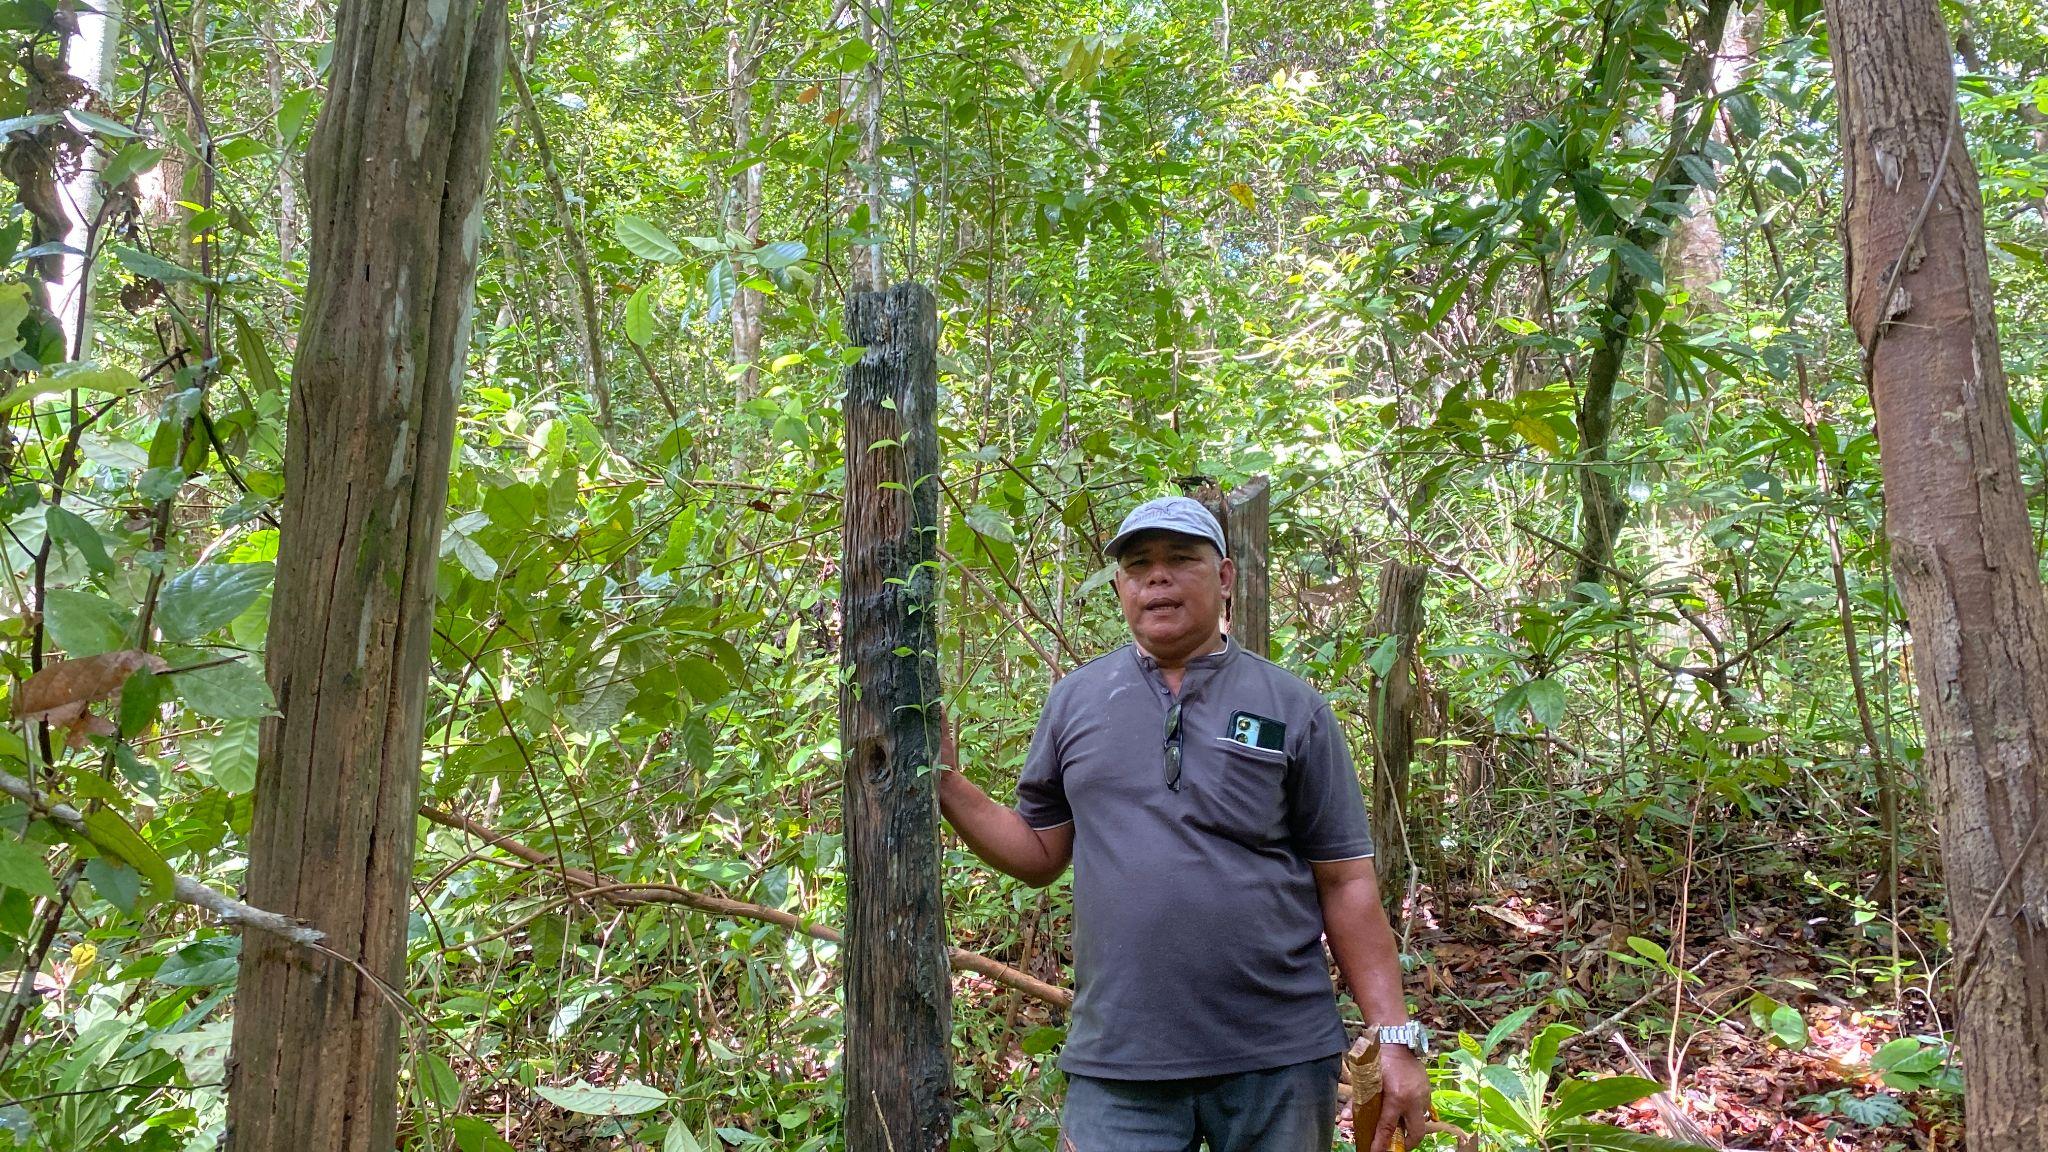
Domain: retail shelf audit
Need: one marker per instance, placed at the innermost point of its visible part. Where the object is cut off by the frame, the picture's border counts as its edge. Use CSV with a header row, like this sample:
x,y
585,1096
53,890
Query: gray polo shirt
x,y
1197,928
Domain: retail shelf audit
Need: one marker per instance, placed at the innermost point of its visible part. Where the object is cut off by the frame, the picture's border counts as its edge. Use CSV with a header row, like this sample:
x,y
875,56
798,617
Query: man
x,y
1207,802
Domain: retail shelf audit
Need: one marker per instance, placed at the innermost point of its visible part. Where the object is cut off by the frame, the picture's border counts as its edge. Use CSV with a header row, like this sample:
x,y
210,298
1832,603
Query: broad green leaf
x,y
14,308
1875,1111
646,241
705,681
437,1080
474,1134
69,528
104,125
640,314
629,1098
83,375
781,254
231,691
1507,1026
1546,701
116,883
231,760
1576,1098
131,161
1649,950
153,267
1789,1027
202,964
719,289
991,523
680,1138
1543,1049
1586,1137
202,599
22,867
83,624
291,116
114,836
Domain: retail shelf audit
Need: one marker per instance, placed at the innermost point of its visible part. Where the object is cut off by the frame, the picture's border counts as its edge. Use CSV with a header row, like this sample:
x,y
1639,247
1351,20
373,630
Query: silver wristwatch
x,y
1411,1036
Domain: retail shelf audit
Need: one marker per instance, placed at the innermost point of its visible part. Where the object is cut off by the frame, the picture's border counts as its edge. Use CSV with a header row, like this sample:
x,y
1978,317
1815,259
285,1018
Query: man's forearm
x,y
998,834
1363,943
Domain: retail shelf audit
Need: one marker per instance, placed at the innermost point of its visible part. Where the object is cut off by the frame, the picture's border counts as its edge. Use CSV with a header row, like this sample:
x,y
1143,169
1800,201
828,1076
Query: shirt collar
x,y
1214,659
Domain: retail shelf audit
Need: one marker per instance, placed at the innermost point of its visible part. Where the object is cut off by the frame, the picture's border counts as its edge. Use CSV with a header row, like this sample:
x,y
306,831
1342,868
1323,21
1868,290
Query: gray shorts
x,y
1288,1109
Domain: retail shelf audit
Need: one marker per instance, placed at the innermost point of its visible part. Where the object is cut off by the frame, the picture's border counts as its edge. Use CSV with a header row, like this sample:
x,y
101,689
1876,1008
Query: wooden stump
x,y
894,959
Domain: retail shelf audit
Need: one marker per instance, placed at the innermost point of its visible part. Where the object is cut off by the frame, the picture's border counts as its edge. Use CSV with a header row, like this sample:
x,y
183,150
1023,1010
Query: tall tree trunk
x,y
1395,701
898,1000
742,62
1919,292
396,178
1601,504
89,54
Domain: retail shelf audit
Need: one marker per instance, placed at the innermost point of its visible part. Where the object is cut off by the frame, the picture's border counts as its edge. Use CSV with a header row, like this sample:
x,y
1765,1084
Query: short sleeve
x,y
1325,806
1042,789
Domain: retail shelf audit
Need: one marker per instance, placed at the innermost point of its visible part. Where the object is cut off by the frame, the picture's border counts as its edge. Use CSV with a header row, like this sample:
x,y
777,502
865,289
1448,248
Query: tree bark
x,y
1395,698
1919,292
1248,530
741,67
396,177
898,1002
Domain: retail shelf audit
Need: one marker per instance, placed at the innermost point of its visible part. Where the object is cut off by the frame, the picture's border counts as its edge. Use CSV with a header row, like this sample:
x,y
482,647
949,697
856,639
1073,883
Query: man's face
x,y
1171,588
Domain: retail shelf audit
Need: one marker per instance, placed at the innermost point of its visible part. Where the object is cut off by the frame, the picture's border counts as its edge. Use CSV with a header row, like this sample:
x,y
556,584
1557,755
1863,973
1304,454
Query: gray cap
x,y
1181,514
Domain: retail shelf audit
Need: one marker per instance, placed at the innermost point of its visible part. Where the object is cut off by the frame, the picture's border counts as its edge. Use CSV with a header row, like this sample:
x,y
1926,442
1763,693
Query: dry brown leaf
x,y
60,691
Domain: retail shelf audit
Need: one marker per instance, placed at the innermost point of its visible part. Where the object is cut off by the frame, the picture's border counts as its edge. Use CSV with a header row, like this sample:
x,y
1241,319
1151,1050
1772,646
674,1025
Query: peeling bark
x,y
396,176
1919,292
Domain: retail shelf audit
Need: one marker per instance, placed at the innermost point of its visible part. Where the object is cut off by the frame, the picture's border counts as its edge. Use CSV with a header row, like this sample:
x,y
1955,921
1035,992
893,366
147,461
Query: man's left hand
x,y
1404,1085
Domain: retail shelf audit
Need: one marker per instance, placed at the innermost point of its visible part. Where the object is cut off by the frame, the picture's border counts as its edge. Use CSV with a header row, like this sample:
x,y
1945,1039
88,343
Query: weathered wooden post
x,y
1245,513
899,1013
1395,697
1248,511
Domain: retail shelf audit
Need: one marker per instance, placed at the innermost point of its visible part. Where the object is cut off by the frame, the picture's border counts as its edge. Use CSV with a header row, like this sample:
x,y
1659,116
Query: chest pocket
x,y
1241,792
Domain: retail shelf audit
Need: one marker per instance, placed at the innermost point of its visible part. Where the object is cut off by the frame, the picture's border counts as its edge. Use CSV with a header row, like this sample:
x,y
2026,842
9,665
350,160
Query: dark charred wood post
x,y
1395,699
1247,528
397,172
1919,291
899,1013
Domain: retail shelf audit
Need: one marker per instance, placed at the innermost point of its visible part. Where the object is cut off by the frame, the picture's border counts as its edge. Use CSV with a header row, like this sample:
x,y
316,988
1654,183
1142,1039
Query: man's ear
x,y
1228,572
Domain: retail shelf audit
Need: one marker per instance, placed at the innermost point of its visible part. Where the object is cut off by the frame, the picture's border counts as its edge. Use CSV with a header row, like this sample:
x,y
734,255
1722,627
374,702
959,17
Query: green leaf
x,y
1507,1026
116,883
255,356
83,624
69,528
1546,701
291,116
437,1080
781,254
1649,950
199,600
232,691
680,1138
472,556
990,523
202,964
630,1098
705,680
719,289
112,835
1789,1027
645,240
142,694
104,125
1543,1049
152,267
1041,1040
473,1134
14,308
131,161
1875,1111
1576,1098
84,375
231,760
22,867
640,314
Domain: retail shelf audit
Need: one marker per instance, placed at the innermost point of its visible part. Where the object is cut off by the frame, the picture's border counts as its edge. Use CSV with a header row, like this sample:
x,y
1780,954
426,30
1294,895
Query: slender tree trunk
x,y
90,54
594,375
1919,292
1248,511
1602,507
898,1000
287,182
741,64
396,178
1395,701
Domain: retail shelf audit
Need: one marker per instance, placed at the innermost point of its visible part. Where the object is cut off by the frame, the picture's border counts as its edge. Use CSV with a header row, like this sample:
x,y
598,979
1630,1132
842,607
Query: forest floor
x,y
1762,925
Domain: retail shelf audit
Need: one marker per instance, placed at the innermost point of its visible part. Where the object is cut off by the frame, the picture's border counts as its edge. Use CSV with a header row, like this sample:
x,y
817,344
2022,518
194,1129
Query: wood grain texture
x,y
396,175
893,969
